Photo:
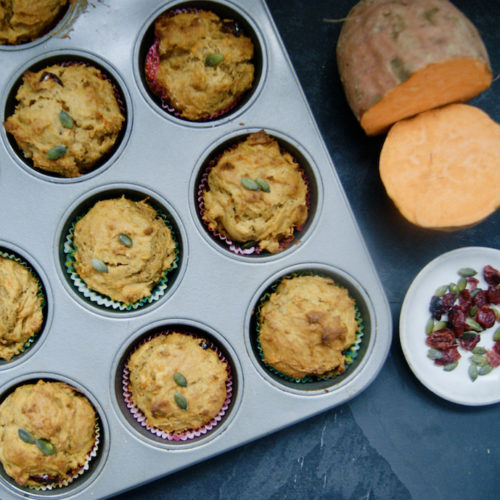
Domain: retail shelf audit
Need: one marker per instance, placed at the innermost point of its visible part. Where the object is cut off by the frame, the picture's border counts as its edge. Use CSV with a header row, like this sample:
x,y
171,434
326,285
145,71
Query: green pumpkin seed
x,y
66,120
496,335
429,326
473,311
467,272
484,370
473,372
439,325
26,436
181,401
99,265
495,312
180,379
472,323
56,152
461,284
453,287
479,350
450,366
46,447
474,292
125,239
250,184
434,353
468,335
441,291
263,184
478,360
214,59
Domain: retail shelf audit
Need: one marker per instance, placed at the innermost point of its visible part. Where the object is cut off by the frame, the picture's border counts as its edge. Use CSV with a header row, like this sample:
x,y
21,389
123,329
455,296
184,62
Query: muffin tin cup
x,y
79,479
212,290
67,58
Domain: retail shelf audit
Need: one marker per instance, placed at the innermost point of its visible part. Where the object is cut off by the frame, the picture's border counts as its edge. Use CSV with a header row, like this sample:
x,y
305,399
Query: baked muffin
x,y
177,381
305,326
47,432
256,193
21,307
203,63
67,118
22,21
123,249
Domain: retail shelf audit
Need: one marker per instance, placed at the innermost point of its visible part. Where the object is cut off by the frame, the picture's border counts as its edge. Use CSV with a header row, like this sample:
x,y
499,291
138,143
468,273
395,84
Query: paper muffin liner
x,y
350,354
251,247
151,64
41,293
75,473
189,434
157,292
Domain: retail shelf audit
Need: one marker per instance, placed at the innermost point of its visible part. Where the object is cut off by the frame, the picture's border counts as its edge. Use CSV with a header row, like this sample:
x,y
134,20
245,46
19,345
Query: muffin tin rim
x,y
88,477
94,195
227,117
116,373
329,389
316,183
82,54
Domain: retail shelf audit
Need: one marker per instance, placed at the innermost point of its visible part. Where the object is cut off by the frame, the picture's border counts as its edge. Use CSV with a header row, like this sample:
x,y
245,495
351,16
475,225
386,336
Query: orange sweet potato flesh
x,y
442,167
399,58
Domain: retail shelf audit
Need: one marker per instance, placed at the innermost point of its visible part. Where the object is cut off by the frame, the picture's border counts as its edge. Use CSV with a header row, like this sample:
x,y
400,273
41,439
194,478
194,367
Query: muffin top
x,y
305,326
67,118
25,20
177,382
205,62
21,305
123,248
236,206
47,430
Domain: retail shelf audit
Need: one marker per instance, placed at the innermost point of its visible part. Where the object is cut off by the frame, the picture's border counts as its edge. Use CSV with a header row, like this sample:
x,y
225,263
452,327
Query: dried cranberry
x,y
447,300
456,317
480,299
493,294
493,356
465,300
473,282
449,356
469,343
496,346
491,275
441,339
485,317
436,307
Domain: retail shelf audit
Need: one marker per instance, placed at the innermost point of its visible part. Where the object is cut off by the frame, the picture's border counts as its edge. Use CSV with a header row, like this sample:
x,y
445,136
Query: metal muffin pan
x,y
213,291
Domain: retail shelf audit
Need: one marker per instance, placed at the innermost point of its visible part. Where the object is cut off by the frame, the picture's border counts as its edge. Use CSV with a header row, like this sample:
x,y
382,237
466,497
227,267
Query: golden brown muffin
x,y
67,118
205,62
123,248
177,382
21,314
305,326
59,416
26,20
267,214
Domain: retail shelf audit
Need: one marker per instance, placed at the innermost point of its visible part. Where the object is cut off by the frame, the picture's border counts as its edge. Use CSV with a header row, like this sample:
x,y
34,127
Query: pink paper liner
x,y
151,70
190,433
236,248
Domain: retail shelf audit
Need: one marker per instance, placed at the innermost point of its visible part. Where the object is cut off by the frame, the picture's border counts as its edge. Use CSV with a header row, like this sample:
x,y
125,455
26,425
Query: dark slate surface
x,y
396,440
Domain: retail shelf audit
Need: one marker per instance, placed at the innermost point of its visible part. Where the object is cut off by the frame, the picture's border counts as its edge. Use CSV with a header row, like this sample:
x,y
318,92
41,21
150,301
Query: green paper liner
x,y
41,293
350,354
75,473
103,300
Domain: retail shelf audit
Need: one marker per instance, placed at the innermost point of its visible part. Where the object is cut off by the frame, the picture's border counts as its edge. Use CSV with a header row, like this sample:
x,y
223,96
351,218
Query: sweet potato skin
x,y
384,44
442,167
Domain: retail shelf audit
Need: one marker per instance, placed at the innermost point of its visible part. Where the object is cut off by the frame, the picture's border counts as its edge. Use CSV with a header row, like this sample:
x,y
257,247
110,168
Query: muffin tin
x,y
213,291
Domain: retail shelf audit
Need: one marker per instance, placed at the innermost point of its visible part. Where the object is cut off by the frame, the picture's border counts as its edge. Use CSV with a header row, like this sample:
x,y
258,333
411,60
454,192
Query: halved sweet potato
x,y
442,167
397,59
